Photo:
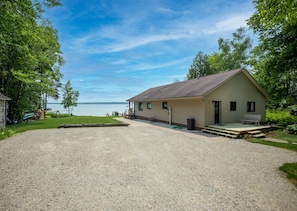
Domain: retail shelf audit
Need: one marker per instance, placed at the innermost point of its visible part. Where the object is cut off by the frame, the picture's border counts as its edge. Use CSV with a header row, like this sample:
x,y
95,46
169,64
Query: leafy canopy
x,y
233,54
200,66
30,55
274,60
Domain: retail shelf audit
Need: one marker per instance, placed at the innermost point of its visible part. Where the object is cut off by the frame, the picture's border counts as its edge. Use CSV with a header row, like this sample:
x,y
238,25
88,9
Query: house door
x,y
217,112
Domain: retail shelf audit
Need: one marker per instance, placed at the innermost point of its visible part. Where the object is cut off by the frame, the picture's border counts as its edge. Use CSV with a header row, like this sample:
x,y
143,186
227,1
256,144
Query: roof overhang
x,y
3,97
165,99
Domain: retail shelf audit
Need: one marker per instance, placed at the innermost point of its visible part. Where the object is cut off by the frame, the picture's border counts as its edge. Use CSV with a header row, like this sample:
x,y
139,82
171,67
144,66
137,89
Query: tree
x,y
274,60
200,66
30,55
70,97
233,53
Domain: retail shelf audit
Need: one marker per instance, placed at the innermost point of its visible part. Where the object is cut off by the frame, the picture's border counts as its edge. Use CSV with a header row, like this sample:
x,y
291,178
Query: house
x,y
3,100
214,99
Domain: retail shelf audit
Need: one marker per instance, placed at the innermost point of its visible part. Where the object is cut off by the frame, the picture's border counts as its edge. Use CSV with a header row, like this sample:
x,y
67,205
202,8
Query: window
x,y
164,105
149,105
251,106
140,106
232,106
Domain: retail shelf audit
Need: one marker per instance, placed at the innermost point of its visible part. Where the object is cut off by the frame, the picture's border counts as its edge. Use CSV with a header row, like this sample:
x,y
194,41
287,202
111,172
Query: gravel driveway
x,y
141,167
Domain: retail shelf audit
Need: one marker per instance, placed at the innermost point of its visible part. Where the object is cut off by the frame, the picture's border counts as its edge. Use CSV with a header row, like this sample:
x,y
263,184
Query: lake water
x,y
92,109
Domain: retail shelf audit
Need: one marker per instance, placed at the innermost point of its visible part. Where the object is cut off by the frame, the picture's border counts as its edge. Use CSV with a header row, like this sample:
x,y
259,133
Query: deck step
x,y
260,135
220,133
254,132
222,130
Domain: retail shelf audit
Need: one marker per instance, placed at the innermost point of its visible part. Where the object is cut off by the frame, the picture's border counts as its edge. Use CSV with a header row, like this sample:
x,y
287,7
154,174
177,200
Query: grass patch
x,y
291,170
279,134
48,123
289,146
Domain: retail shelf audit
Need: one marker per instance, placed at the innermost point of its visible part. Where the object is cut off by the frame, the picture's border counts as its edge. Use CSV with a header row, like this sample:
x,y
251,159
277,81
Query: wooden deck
x,y
236,130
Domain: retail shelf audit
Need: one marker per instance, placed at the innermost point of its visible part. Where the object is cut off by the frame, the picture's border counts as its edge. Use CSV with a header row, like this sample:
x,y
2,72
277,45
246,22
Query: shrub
x,y
293,110
280,117
292,129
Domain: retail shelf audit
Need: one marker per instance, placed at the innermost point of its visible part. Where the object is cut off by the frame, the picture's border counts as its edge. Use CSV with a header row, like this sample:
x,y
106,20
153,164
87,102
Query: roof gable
x,y
3,97
192,88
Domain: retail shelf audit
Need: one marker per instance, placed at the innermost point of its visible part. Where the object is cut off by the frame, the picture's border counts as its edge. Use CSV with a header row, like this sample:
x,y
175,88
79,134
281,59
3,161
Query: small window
x,y
232,106
251,106
149,105
164,105
140,106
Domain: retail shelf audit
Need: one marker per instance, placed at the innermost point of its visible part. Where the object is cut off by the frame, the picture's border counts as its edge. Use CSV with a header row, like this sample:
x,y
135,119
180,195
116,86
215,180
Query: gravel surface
x,y
141,167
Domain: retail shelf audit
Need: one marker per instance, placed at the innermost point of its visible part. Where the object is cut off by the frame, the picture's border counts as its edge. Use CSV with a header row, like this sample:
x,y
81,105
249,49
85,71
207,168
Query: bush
x,y
280,117
292,129
293,110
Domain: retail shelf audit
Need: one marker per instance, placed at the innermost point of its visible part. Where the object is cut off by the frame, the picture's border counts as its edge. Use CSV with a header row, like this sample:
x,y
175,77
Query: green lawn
x,y
53,123
279,134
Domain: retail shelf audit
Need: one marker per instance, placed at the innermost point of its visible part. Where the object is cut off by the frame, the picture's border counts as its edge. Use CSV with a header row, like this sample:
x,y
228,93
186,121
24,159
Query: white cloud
x,y
112,39
116,42
149,66
229,24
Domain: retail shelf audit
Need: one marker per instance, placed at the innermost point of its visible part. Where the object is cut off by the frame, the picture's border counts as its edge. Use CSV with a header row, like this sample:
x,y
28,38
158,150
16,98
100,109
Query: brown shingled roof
x,y
190,88
3,97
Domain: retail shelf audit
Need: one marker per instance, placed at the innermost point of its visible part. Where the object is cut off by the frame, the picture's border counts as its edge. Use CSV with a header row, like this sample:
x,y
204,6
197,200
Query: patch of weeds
x,y
6,133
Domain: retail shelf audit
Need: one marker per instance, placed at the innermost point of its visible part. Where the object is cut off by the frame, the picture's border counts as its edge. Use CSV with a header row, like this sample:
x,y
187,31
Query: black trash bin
x,y
191,124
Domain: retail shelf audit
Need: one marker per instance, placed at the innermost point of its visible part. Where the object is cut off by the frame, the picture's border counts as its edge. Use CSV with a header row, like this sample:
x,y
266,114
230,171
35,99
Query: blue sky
x,y
115,49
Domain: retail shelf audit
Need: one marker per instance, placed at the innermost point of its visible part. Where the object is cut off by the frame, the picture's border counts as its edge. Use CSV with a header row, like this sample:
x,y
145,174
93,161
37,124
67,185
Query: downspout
x,y
170,115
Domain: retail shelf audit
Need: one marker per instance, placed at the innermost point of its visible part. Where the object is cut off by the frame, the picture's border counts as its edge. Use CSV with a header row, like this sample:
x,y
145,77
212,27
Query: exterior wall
x,y
2,114
181,110
240,90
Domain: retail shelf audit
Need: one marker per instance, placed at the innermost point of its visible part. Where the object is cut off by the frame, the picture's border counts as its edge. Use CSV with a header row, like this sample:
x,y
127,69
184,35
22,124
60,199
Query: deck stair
x,y
221,132
256,133
232,133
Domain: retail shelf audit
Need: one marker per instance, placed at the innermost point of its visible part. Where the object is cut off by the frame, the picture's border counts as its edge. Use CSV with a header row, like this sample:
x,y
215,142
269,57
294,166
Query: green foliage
x,y
30,56
293,110
233,53
274,60
6,133
280,117
70,97
11,130
200,66
292,129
